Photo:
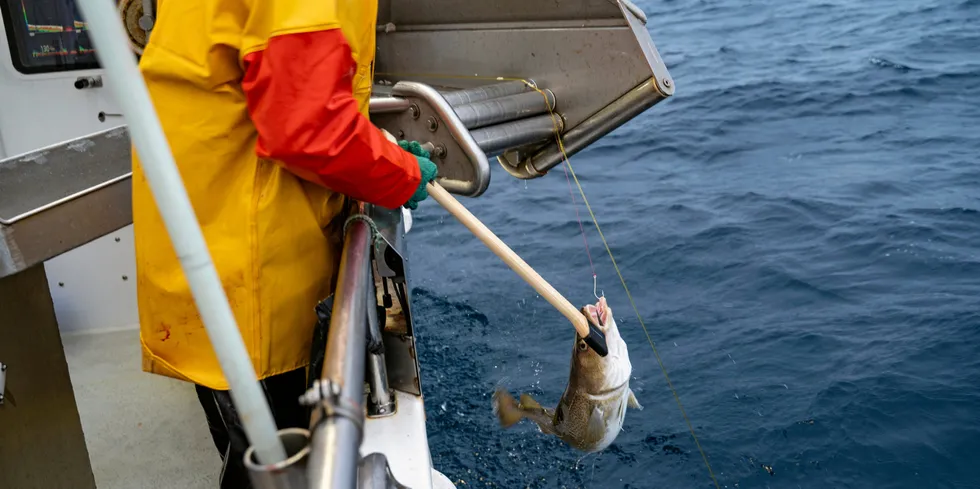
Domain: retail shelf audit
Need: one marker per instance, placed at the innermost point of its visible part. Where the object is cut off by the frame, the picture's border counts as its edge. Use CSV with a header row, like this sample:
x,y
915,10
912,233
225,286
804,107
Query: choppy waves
x,y
800,228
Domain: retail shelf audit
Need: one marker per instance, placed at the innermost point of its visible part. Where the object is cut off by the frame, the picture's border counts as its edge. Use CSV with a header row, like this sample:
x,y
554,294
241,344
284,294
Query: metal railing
x,y
328,455
338,418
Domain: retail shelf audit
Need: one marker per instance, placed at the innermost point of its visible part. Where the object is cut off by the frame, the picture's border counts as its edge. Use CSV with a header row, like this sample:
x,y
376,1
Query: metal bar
x,y
380,401
62,171
147,20
95,188
503,109
387,105
486,92
373,328
336,438
495,140
509,26
174,205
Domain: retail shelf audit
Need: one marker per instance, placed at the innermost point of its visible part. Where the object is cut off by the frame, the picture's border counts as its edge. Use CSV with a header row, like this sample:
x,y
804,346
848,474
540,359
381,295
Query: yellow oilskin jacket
x,y
264,104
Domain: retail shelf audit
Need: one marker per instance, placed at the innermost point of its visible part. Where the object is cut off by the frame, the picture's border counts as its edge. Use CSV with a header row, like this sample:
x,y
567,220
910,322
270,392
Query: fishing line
x,y
653,346
578,217
571,171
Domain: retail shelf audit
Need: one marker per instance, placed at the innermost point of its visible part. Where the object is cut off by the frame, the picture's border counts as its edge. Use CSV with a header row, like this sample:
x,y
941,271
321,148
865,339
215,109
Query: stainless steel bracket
x,y
418,112
596,57
373,472
327,395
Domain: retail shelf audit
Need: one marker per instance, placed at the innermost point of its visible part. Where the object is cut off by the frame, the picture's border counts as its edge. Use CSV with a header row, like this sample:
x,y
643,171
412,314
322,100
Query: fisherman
x,y
265,106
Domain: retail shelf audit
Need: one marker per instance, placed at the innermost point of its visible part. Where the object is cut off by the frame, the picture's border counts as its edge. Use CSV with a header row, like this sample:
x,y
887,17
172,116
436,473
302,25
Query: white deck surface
x,y
148,431
142,430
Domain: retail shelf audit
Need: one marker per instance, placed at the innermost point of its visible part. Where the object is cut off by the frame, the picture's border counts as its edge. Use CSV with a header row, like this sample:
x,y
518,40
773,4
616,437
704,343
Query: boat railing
x,y
338,416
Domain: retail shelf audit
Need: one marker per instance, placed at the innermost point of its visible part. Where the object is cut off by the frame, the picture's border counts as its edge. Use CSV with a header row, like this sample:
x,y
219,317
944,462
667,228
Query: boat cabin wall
x,y
93,286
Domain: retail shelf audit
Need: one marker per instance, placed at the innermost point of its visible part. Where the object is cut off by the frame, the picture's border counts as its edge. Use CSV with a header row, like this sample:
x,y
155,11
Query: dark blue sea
x,y
800,228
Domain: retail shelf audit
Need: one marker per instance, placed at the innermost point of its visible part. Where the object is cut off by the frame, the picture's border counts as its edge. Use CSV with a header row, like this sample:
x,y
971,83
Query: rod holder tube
x,y
380,401
288,474
337,424
375,341
495,140
129,90
487,92
504,109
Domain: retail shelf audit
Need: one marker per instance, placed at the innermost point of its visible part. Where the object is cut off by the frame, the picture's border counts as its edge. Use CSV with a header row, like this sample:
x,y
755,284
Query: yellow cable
x,y
561,147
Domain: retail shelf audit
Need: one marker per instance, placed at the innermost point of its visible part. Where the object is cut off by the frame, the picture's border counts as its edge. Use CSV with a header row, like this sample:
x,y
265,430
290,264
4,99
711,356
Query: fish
x,y
590,413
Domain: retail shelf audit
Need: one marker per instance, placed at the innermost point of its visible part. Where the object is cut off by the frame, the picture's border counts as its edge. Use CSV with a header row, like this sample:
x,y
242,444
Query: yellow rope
x,y
561,147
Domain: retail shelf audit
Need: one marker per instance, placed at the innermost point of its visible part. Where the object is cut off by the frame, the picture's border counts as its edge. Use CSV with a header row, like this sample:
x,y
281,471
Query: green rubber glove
x,y
426,166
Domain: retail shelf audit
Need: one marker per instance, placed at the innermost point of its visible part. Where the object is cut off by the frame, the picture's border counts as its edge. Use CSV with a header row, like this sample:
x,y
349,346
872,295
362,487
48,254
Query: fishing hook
x,y
598,308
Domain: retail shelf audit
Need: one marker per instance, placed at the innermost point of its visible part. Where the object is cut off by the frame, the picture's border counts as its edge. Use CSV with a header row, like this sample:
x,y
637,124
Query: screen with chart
x,y
47,36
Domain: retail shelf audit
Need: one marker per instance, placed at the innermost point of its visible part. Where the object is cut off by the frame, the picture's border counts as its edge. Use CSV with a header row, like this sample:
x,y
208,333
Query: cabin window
x,y
47,36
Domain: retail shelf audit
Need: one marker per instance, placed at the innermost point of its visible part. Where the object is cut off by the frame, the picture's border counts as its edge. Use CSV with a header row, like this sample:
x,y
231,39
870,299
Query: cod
x,y
590,413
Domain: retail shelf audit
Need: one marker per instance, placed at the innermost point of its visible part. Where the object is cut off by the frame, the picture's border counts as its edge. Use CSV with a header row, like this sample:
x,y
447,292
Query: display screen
x,y
47,36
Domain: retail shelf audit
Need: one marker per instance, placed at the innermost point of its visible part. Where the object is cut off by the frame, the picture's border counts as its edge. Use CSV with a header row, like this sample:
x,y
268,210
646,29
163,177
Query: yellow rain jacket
x,y
264,104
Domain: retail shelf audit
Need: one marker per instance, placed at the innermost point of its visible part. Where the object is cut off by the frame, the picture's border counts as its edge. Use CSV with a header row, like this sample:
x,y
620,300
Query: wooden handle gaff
x,y
506,254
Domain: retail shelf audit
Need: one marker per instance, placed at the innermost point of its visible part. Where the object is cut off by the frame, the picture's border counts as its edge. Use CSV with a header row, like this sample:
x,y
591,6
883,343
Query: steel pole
x,y
337,423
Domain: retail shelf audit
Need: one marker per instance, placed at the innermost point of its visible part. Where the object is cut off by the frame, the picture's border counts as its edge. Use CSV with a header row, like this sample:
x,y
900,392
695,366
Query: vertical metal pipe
x,y
336,439
380,401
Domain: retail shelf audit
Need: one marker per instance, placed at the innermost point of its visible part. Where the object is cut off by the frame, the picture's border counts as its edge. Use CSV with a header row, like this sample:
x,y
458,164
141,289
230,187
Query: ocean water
x,y
800,228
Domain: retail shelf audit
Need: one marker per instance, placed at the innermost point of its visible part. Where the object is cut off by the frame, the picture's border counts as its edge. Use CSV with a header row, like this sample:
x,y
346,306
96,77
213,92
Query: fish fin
x,y
528,402
544,420
597,425
561,415
542,416
506,408
632,402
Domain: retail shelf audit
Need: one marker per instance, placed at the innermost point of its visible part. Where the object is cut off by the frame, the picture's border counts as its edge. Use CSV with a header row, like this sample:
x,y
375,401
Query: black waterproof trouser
x,y
282,391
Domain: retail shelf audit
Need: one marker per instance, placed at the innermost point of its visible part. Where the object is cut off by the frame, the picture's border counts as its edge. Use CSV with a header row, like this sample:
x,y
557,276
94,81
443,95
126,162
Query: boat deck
x,y
142,430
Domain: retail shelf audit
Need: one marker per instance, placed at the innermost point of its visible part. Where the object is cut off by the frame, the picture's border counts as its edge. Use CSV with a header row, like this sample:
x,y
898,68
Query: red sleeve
x,y
299,94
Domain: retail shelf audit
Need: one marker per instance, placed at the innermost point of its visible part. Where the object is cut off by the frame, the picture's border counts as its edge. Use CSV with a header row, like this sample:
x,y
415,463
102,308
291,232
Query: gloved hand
x,y
427,167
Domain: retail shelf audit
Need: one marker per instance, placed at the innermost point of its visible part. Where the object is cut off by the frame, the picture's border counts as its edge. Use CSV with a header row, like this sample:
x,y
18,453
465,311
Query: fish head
x,y
594,372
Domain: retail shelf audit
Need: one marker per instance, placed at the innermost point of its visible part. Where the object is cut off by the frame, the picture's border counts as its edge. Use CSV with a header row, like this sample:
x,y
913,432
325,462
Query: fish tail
x,y
506,408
